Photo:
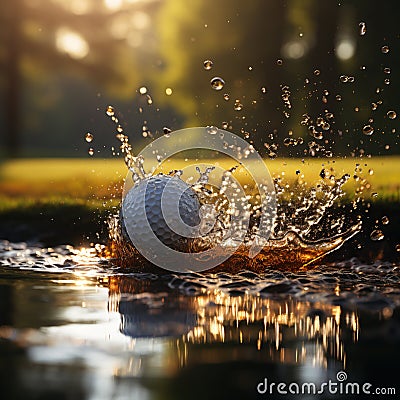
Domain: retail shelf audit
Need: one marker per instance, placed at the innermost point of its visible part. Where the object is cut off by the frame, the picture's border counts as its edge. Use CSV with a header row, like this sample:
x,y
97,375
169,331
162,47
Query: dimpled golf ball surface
x,y
154,189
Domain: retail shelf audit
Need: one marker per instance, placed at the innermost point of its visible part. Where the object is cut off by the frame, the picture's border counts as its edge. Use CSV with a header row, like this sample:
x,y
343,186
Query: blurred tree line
x,y
298,77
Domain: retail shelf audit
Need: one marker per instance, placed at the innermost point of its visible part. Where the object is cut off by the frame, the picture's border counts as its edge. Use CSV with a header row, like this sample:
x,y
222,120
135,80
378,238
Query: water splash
x,y
309,223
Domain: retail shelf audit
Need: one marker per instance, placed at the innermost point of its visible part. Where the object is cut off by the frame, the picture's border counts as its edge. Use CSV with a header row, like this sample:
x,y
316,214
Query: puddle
x,y
74,325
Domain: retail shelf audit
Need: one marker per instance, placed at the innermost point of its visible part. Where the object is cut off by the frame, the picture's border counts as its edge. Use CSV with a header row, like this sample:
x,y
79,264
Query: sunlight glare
x,y
345,49
71,43
294,49
113,4
140,20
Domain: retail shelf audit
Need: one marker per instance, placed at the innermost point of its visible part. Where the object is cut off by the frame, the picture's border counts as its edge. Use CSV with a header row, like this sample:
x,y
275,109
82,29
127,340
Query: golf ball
x,y
152,203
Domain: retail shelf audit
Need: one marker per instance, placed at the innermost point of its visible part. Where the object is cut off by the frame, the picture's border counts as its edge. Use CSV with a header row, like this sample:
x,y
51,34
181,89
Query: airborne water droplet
x,y
279,61
398,247
344,78
212,130
391,114
208,65
385,49
167,131
363,28
88,137
368,130
385,220
376,235
91,151
238,105
143,90
110,111
217,83
226,96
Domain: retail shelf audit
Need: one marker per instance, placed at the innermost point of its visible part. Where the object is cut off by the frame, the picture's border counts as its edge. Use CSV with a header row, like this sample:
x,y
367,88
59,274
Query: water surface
x,y
74,326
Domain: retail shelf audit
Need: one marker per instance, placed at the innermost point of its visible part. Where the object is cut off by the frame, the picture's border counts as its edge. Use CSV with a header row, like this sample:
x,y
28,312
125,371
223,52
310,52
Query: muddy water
x,y
75,326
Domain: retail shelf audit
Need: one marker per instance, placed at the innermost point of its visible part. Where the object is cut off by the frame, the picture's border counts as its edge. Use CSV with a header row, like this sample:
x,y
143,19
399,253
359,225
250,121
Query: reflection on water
x,y
73,326
286,329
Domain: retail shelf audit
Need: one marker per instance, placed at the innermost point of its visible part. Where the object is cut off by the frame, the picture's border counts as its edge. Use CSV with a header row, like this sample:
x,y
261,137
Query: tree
x,y
78,36
243,41
269,51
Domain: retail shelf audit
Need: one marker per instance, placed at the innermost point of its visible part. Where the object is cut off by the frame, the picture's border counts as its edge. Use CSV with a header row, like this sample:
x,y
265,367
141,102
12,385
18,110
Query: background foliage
x,y
63,62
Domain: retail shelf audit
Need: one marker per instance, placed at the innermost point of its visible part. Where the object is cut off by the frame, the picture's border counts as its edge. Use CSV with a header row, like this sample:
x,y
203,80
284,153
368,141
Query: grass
x,y
55,199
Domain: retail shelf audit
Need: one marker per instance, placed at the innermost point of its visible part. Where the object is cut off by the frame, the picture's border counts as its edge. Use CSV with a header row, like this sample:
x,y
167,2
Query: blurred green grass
x,y
60,200
94,180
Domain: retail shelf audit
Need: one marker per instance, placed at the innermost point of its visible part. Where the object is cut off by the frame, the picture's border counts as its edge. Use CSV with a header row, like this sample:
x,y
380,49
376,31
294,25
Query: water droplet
x,y
374,106
212,130
385,49
363,28
386,70
338,97
91,151
208,64
88,137
263,89
329,115
217,83
226,96
279,61
398,247
167,131
376,235
168,91
391,114
343,78
368,130
110,111
238,106
371,171
317,72
387,81
143,90
287,141
385,220
119,128
225,125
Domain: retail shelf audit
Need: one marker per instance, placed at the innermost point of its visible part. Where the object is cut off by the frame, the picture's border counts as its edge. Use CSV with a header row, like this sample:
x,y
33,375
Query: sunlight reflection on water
x,y
118,333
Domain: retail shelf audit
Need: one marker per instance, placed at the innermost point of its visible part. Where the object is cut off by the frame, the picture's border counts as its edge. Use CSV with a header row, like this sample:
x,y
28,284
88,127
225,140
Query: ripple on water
x,y
348,283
